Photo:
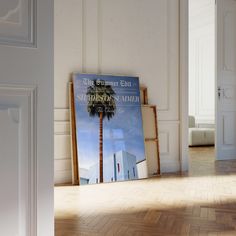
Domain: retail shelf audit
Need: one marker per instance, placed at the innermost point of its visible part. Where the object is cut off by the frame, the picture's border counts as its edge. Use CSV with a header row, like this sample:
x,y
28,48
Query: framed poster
x,y
109,129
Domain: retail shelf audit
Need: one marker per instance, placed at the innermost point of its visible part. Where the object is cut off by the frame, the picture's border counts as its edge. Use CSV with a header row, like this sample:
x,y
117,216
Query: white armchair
x,y
200,136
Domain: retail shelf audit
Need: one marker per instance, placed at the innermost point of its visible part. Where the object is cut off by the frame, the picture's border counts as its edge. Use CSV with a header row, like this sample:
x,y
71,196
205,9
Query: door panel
x,y
18,161
26,118
9,194
226,80
17,22
229,123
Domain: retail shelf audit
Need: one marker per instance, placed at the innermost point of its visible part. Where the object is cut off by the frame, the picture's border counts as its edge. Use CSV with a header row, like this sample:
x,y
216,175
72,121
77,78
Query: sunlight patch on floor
x,y
159,194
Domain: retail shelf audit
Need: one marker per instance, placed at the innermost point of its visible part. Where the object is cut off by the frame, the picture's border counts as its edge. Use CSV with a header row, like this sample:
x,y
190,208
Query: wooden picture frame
x,y
143,95
74,155
150,127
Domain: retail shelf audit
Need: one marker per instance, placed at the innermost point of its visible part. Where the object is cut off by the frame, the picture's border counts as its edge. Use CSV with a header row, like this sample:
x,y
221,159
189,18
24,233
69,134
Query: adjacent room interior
x,y
202,79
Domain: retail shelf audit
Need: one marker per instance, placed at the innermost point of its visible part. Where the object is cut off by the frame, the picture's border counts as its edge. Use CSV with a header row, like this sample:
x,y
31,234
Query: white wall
x,y
131,37
202,60
68,58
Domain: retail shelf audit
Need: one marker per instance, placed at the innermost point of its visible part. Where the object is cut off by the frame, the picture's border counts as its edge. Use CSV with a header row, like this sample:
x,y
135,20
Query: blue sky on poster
x,y
122,132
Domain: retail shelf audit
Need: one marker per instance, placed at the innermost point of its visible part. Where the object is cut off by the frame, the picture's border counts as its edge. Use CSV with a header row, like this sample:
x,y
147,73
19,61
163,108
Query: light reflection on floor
x,y
170,205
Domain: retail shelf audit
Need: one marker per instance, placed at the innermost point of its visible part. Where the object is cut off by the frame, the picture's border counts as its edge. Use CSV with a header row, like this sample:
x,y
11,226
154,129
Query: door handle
x,y
219,92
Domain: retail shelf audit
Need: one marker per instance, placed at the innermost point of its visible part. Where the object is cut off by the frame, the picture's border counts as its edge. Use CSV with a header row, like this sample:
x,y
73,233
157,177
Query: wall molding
x,y
83,36
23,100
62,128
61,114
169,166
167,16
171,61
96,62
166,139
100,31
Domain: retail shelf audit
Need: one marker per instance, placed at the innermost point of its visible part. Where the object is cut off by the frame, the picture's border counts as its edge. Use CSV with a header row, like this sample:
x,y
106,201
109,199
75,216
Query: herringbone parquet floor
x,y
203,203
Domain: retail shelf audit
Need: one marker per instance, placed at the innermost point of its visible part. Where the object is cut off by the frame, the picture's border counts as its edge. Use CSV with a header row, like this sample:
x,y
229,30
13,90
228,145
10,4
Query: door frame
x,y
183,77
184,82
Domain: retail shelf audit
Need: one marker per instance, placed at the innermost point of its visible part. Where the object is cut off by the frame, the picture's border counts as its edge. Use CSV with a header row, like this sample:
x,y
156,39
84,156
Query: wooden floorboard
x,y
200,203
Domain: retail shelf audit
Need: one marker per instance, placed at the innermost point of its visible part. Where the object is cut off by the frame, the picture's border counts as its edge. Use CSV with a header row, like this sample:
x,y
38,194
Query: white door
x,y
26,117
226,80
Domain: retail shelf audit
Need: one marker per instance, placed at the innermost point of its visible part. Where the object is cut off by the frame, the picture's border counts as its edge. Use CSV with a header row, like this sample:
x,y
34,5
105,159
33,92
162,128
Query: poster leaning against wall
x,y
109,130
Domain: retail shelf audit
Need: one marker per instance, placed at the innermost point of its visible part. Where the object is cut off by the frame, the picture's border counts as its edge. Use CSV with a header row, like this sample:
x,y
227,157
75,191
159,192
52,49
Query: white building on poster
x,y
121,166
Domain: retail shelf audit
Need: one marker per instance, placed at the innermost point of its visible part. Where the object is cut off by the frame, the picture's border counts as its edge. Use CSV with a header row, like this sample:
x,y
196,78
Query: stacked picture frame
x,y
150,128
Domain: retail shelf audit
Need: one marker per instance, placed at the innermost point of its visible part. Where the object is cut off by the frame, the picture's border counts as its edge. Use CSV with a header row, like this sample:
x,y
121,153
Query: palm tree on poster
x,y
101,103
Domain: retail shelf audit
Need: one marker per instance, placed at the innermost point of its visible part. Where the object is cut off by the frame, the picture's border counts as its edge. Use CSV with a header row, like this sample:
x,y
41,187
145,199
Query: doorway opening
x,y
201,86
